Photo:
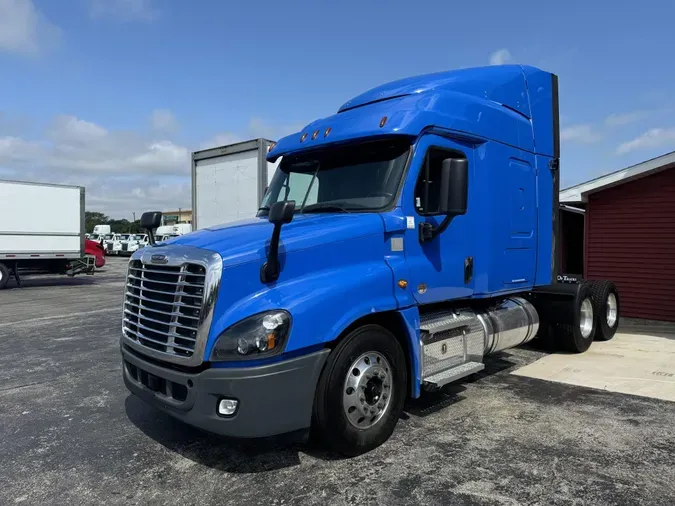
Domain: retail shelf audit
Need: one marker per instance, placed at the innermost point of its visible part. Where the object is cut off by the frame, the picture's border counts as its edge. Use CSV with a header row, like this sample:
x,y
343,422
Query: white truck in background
x,y
229,182
166,232
42,230
101,229
114,245
133,243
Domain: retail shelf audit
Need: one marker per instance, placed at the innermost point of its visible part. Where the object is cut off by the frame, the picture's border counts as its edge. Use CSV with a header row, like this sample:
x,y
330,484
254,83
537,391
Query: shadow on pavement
x,y
218,452
431,402
45,282
260,455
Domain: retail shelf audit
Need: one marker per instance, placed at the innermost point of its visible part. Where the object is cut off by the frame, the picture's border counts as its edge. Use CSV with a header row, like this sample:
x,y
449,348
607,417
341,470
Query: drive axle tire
x,y
606,307
578,335
360,394
4,276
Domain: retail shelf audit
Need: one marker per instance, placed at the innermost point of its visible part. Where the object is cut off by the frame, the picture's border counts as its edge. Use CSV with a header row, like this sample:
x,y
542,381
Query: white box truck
x,y
41,230
229,182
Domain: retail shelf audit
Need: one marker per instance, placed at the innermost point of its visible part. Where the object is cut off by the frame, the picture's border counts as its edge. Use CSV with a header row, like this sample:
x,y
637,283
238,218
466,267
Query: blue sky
x,y
114,94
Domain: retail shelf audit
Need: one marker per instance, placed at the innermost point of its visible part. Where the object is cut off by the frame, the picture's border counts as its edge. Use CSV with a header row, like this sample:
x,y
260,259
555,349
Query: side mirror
x,y
150,221
281,212
453,198
454,186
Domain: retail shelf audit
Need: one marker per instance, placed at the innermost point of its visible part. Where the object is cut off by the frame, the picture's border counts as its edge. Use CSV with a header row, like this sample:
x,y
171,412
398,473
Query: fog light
x,y
227,407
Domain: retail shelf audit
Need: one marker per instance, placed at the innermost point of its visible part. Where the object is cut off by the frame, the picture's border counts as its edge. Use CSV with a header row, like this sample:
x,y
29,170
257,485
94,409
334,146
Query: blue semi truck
x,y
399,242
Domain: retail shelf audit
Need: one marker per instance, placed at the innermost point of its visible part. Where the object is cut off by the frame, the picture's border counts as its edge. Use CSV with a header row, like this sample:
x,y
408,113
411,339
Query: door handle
x,y
468,269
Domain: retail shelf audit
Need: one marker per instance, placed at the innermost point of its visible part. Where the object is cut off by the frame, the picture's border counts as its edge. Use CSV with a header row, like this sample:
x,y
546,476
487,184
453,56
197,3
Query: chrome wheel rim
x,y
368,388
586,318
612,310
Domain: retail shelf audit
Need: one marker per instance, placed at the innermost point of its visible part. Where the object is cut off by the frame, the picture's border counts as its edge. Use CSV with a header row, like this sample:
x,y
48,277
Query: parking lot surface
x,y
70,433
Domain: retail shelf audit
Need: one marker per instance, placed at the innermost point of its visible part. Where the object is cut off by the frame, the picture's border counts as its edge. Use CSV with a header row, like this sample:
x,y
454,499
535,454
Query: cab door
x,y
440,268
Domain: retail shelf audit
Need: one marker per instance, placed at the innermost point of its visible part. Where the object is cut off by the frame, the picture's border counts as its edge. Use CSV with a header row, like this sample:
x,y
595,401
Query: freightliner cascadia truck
x,y
400,241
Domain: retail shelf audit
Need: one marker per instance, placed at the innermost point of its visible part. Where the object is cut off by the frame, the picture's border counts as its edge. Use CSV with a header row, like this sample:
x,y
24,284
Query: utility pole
x,y
134,213
180,215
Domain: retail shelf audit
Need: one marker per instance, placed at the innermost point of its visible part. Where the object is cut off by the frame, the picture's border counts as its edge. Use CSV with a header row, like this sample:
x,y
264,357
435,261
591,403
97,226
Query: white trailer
x,y
41,230
229,182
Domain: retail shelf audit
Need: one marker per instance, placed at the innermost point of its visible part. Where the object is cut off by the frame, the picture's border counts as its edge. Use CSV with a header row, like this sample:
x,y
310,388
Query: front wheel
x,y
361,391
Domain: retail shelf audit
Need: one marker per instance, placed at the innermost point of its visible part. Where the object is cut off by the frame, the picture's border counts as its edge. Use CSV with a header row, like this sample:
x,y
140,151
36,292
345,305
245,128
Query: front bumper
x,y
273,399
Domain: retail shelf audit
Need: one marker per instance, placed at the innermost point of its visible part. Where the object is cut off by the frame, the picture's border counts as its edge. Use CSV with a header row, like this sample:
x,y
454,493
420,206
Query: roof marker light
x,y
304,136
327,131
316,132
383,121
271,147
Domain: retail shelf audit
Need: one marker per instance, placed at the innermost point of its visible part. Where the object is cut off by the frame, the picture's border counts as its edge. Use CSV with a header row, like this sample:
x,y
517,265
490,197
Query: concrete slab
x,y
634,363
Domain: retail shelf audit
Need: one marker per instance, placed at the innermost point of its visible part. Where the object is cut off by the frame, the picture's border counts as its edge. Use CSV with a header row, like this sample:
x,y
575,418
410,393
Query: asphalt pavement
x,y
70,433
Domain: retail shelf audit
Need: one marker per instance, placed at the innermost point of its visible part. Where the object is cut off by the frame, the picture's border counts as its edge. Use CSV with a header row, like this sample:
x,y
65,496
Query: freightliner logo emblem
x,y
159,259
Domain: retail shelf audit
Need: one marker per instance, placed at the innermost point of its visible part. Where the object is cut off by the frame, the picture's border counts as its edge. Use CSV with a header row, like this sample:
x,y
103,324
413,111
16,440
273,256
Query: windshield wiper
x,y
324,208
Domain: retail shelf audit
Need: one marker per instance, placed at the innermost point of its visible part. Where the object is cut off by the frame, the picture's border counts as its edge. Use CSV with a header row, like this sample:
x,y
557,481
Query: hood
x,y
248,240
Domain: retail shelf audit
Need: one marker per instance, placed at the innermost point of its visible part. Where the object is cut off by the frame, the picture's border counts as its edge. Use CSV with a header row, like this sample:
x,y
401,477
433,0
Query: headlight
x,y
258,336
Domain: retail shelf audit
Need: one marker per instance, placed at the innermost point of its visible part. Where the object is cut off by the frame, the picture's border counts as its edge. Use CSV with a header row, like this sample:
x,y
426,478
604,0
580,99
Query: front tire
x,y
361,391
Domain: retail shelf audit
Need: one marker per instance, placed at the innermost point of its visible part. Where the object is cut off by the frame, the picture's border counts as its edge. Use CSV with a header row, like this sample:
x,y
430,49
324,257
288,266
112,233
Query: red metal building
x,y
628,235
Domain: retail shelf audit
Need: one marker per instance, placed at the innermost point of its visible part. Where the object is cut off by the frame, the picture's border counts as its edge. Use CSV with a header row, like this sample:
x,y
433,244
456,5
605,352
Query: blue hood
x,y
247,240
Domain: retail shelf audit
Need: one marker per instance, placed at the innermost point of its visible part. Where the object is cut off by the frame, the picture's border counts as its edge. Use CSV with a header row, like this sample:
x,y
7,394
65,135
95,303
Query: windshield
x,y
124,237
107,237
136,237
357,177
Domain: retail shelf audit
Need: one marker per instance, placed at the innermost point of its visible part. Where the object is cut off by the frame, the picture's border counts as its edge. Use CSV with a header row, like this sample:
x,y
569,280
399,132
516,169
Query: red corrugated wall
x,y
630,239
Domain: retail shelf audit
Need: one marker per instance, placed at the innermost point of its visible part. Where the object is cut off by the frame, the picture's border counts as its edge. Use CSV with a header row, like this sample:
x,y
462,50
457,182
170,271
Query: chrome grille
x,y
125,246
163,306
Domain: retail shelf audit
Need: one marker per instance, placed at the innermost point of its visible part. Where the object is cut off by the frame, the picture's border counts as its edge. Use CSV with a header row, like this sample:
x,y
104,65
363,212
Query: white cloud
x,y
124,10
122,171
73,145
615,120
581,133
500,57
123,197
257,127
221,139
651,139
163,120
24,29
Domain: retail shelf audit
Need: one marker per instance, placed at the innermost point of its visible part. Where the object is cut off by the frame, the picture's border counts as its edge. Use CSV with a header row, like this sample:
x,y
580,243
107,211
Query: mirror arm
x,y
270,269
444,224
428,232
151,237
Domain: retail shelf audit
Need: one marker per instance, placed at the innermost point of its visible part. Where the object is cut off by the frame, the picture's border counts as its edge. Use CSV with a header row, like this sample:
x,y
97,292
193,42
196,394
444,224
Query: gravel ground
x,y
70,433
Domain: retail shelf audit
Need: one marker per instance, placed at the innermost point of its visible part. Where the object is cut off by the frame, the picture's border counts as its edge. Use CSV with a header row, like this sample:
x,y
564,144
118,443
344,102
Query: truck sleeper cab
x,y
399,242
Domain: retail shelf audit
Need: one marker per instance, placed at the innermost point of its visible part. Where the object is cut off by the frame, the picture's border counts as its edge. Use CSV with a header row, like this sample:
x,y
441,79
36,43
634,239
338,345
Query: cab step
x,y
454,373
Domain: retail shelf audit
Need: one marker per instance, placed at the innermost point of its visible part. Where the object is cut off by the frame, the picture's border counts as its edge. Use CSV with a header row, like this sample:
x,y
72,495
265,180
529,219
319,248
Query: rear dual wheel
x,y
606,307
577,335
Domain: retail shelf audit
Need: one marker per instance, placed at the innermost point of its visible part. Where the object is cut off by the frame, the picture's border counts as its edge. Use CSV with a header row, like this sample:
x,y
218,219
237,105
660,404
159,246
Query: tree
x,y
91,219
